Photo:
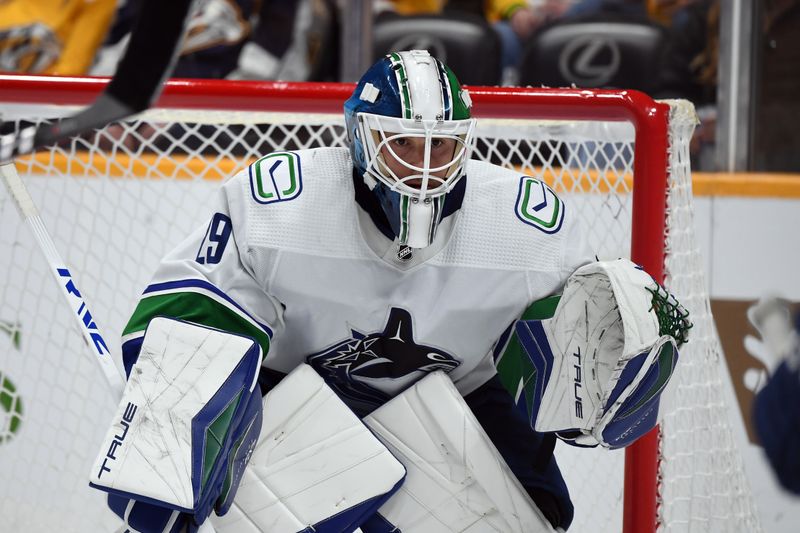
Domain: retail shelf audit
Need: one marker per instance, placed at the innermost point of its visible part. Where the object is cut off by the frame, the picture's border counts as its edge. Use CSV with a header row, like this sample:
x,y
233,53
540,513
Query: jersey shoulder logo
x,y
538,206
367,370
276,177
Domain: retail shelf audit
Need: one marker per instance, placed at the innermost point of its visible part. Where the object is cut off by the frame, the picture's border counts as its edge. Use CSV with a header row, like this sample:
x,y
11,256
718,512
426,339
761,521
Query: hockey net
x,y
115,201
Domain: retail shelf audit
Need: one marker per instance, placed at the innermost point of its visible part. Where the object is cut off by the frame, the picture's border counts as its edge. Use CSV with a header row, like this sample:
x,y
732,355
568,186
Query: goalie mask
x,y
410,133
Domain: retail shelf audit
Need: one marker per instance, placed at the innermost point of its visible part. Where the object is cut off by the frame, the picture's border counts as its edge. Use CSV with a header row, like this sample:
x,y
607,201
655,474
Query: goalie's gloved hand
x,y
592,362
16,138
185,427
150,517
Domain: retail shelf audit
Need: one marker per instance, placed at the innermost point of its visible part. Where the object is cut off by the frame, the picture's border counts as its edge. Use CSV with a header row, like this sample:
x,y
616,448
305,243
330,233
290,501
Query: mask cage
x,y
377,132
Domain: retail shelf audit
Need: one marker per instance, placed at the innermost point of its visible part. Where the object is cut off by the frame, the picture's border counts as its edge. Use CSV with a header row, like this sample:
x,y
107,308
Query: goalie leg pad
x,y
457,480
316,466
192,395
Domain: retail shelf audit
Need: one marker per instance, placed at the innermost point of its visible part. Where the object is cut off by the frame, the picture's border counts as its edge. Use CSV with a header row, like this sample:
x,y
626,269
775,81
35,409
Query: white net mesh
x,y
703,487
115,202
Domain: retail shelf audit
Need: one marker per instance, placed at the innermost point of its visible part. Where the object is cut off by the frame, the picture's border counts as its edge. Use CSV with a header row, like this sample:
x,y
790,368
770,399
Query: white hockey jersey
x,y
290,259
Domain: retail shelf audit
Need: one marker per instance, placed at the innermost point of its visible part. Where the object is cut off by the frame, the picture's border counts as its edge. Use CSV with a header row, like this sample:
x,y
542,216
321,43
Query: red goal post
x,y
643,169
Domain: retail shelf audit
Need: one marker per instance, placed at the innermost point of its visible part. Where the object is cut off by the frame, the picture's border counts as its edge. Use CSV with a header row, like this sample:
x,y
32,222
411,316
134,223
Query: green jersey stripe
x,y
196,308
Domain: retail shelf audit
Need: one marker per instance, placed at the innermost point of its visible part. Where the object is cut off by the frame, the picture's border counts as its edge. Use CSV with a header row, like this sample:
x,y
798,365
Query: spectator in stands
x,y
46,37
234,39
691,56
663,11
776,144
216,33
598,7
282,45
513,20
689,70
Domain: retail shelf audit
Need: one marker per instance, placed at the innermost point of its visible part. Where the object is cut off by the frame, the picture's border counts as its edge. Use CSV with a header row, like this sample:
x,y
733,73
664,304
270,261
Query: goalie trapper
x,y
591,364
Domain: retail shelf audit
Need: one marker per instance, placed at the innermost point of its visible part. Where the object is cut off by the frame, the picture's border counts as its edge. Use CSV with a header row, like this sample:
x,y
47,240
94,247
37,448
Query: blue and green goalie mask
x,y
410,132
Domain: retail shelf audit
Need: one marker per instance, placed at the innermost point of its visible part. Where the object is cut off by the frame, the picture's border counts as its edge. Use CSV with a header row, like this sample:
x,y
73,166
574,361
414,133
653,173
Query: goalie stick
x,y
72,296
148,59
60,272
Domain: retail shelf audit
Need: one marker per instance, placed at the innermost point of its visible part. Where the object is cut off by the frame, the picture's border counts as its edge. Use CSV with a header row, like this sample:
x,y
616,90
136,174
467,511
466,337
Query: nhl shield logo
x,y
276,178
538,205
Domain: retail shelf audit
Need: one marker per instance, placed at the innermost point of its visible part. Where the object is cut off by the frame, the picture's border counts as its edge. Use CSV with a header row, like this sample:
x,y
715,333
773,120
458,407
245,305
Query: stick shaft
x,y
72,296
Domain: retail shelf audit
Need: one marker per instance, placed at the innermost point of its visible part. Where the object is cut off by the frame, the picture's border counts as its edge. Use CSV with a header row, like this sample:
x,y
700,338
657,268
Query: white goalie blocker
x,y
457,481
602,354
184,427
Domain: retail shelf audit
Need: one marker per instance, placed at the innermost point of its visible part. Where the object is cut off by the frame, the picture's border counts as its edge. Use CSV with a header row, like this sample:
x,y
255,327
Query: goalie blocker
x,y
184,429
591,363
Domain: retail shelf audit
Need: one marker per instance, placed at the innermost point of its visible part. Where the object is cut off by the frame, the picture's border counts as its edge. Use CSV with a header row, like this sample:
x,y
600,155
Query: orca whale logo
x,y
367,370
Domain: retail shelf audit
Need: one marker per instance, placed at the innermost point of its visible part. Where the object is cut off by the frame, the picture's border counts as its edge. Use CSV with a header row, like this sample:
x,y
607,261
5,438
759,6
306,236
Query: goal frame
x,y
648,117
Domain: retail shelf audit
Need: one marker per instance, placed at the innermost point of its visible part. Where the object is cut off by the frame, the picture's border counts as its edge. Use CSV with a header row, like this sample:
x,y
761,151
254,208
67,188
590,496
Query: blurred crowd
x,y
298,39
666,48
